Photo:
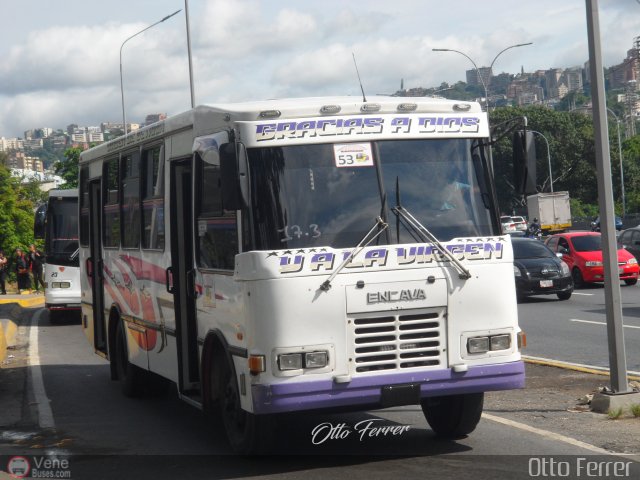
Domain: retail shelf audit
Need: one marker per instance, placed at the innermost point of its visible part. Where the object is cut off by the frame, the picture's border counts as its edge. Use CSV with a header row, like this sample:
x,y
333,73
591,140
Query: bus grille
x,y
392,341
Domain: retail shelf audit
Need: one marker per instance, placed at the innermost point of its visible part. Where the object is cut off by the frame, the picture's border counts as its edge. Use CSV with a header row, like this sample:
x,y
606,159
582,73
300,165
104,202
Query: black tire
x,y
564,295
631,281
453,416
131,377
248,434
578,281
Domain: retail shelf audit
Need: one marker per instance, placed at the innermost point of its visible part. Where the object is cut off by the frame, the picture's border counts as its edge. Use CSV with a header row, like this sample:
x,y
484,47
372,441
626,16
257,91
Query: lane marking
x,y
599,323
585,294
553,436
45,415
579,367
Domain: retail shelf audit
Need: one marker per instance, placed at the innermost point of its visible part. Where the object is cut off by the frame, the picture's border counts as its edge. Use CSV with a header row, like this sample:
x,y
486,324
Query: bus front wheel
x,y
453,416
247,433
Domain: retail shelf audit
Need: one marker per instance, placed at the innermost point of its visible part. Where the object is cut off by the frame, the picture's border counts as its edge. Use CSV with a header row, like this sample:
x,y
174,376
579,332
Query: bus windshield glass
x,y
61,238
307,196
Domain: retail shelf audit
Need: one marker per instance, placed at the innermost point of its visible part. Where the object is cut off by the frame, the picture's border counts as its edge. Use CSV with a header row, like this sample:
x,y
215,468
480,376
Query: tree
x,y
16,214
68,169
572,152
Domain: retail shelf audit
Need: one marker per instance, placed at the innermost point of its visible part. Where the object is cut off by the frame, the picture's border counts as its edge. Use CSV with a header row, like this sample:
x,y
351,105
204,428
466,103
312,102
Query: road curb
x,y
574,366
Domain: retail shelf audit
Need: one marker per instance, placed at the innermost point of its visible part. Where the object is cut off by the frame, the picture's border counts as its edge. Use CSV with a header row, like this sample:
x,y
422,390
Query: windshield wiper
x,y
381,225
411,222
74,254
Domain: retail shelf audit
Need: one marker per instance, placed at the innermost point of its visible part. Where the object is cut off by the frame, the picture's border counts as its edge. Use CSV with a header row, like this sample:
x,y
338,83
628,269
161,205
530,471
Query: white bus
x,y
303,254
57,222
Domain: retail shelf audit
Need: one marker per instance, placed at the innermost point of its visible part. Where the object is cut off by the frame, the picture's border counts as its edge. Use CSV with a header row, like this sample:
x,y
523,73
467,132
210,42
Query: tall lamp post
x,y
124,118
624,205
548,157
484,85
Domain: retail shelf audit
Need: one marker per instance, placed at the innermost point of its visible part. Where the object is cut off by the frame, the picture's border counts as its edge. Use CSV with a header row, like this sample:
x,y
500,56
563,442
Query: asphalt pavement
x,y
554,402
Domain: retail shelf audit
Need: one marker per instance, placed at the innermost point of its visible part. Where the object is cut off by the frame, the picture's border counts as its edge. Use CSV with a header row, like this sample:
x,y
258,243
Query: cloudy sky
x,y
61,59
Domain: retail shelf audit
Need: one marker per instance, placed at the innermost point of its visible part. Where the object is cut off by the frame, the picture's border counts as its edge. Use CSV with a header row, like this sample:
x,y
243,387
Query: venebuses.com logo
x,y
39,467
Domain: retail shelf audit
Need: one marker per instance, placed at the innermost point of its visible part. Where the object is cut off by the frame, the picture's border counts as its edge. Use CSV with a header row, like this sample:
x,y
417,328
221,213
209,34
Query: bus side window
x,y
111,204
129,176
216,228
153,199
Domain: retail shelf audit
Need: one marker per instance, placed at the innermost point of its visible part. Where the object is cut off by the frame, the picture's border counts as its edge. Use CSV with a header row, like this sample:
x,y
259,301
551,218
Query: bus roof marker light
x,y
407,107
330,109
270,114
370,107
462,107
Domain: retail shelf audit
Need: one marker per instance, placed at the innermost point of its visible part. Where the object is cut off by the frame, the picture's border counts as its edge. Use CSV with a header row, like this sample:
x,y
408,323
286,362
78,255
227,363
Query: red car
x,y
582,252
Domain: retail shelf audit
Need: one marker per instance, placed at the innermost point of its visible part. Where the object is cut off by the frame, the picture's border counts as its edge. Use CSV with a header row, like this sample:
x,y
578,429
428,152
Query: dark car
x,y
630,241
539,271
595,225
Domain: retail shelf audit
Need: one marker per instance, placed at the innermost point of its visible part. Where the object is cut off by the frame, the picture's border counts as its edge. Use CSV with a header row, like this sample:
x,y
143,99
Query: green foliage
x,y
68,169
585,210
615,413
635,409
16,213
571,151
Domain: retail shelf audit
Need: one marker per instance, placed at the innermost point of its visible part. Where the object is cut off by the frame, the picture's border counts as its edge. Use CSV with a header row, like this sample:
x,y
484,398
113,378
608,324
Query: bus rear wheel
x,y
453,416
248,434
130,376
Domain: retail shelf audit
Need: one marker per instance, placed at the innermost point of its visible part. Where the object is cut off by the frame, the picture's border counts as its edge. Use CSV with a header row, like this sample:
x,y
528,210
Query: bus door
x,y
95,267
181,275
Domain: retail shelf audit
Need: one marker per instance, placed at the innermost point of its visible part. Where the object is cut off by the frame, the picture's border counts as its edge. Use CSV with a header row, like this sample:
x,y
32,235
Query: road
x,y
110,436
575,330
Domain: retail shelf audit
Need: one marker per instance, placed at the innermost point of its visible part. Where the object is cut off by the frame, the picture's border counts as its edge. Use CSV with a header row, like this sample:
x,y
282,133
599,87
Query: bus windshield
x,y
307,196
61,238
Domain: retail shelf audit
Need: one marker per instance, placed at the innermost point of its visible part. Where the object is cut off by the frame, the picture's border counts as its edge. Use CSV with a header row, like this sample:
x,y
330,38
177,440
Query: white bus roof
x,y
207,117
71,192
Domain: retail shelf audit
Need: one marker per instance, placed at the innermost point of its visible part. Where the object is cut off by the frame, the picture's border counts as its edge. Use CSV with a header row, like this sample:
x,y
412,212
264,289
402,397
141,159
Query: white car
x,y
521,223
508,225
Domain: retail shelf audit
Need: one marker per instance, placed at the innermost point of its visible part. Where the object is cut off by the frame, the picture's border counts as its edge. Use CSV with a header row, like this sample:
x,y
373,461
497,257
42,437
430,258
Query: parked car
x,y
582,251
508,225
595,225
521,223
539,271
630,241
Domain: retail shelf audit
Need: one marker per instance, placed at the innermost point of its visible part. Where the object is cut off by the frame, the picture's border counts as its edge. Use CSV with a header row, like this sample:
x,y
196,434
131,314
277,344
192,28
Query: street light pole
x,y
624,204
484,85
548,157
124,118
494,61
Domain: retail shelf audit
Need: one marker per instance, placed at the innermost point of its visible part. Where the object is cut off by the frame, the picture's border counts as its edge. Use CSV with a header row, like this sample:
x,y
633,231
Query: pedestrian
x,y
21,265
4,265
36,262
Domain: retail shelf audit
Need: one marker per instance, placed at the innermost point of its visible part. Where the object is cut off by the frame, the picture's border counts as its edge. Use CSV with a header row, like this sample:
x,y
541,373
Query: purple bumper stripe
x,y
290,397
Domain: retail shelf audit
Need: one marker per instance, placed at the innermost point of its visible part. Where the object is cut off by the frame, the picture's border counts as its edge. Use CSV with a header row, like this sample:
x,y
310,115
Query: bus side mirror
x,y
39,221
233,176
524,162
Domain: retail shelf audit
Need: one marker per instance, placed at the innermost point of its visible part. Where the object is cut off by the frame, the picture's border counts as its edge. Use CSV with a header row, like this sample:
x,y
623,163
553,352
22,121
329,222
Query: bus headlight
x,y
489,343
298,361
478,345
500,342
316,359
290,361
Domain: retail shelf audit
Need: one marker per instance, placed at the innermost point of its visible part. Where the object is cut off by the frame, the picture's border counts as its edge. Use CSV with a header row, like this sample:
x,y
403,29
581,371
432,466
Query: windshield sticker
x,y
353,155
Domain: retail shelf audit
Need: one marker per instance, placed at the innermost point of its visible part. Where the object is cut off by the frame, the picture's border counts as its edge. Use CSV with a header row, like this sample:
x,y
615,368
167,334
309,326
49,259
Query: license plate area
x,y
546,283
398,395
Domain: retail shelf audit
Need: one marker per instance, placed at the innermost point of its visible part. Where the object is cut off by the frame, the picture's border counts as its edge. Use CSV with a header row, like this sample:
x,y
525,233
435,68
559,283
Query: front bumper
x,y
367,390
